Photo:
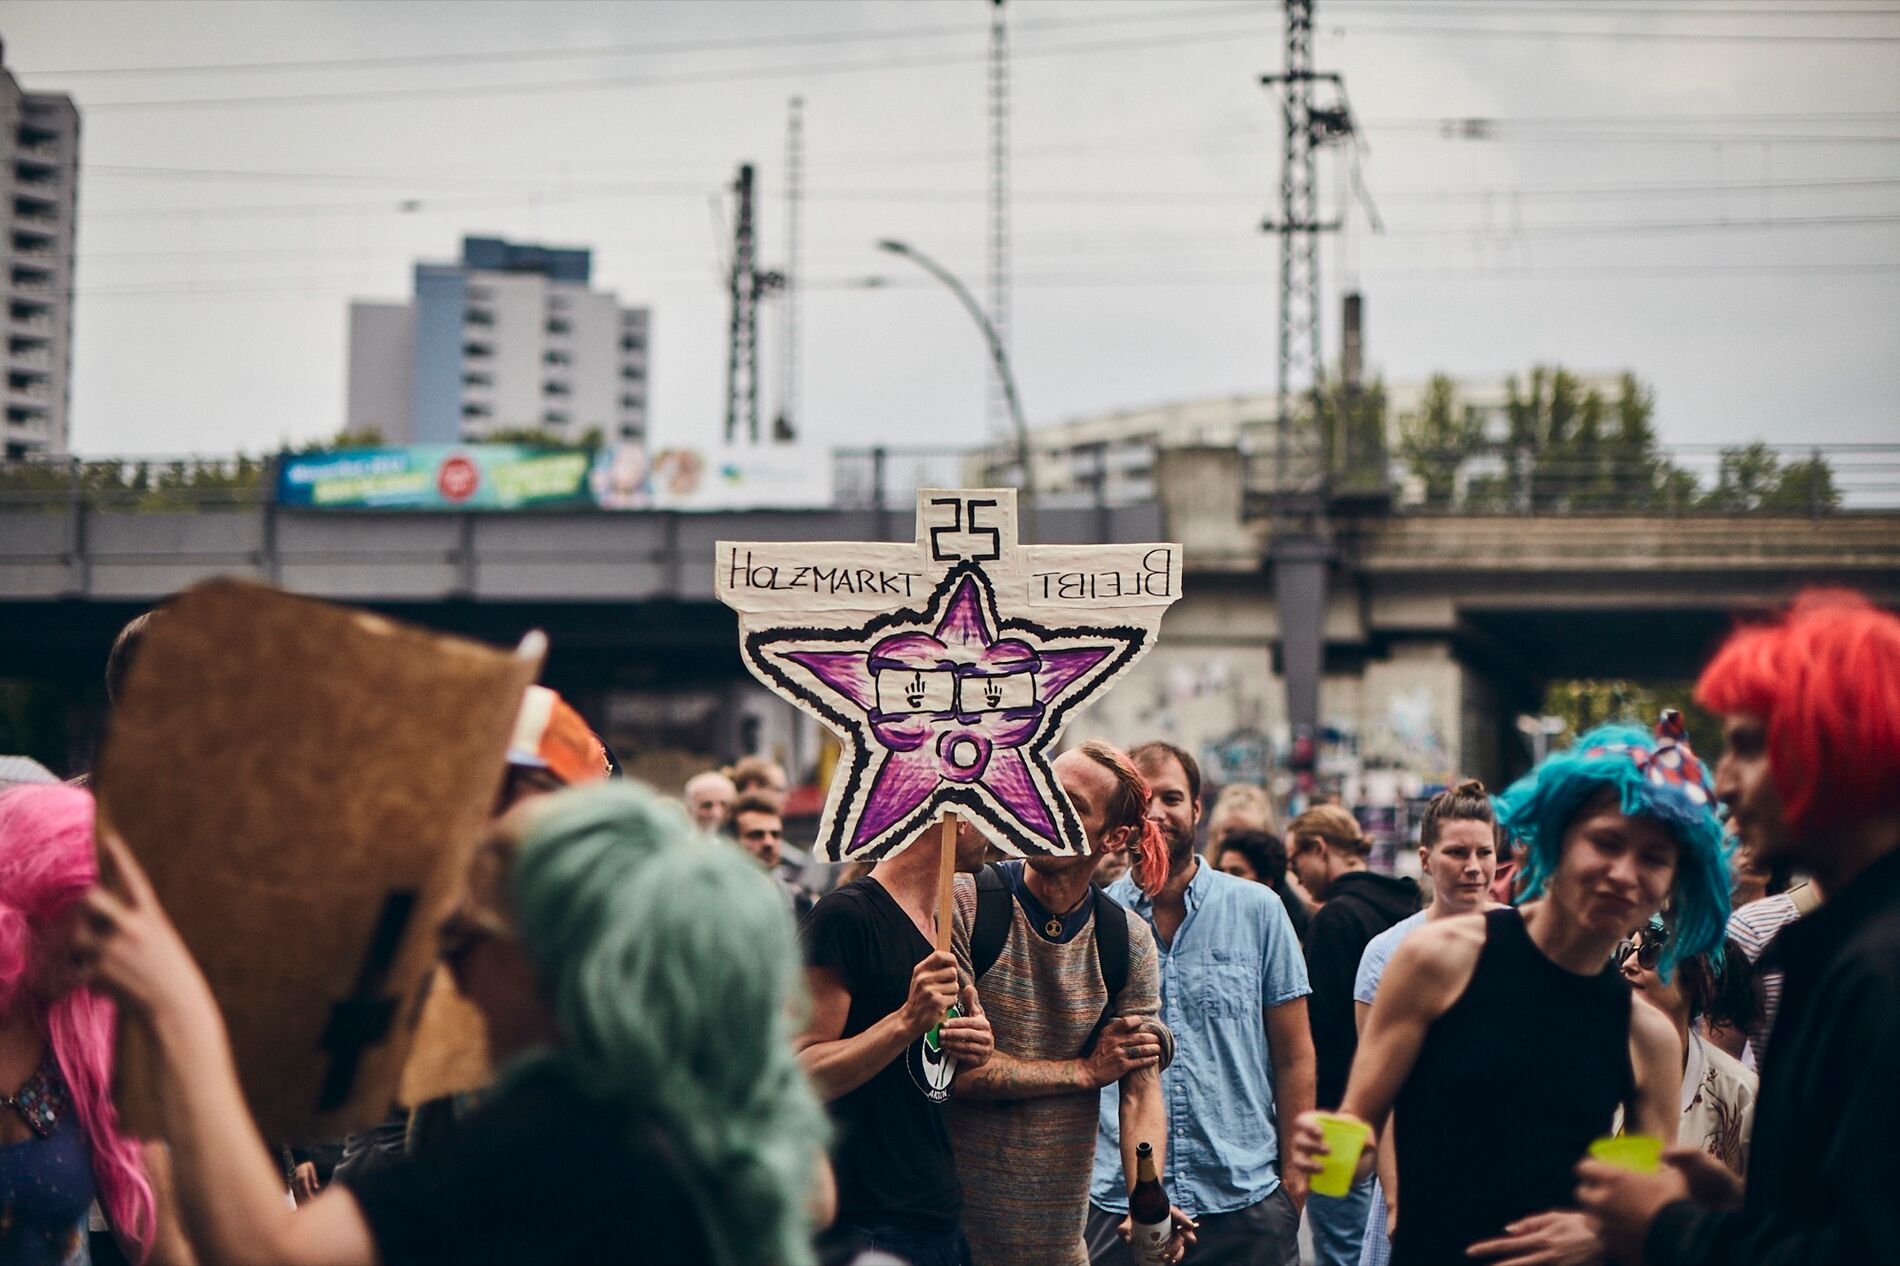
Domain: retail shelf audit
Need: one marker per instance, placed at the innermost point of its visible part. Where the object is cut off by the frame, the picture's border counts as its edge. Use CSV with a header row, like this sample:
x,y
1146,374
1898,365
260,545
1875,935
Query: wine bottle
x,y
1149,1210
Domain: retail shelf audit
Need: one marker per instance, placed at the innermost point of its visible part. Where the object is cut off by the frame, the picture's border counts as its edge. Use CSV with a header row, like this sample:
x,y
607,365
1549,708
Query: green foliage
x,y
137,486
1352,434
1583,703
541,437
1753,478
1440,440
1568,448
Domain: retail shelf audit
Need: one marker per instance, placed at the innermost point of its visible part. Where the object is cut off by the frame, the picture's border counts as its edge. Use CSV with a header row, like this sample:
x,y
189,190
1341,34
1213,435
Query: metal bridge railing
x,y
1677,479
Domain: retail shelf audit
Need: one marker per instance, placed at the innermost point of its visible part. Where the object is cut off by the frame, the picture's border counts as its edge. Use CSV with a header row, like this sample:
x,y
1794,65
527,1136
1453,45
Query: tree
x,y
1440,440
540,437
1752,478
1352,433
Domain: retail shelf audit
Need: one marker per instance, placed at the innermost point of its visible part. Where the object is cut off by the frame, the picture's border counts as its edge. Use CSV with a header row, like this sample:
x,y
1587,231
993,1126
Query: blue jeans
x,y
1338,1224
919,1248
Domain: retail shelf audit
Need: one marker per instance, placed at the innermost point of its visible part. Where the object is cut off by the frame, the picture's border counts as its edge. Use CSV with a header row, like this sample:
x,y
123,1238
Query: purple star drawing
x,y
948,707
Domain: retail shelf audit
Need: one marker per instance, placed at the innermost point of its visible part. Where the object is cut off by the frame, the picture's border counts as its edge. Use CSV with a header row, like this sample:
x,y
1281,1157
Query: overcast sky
x,y
1705,193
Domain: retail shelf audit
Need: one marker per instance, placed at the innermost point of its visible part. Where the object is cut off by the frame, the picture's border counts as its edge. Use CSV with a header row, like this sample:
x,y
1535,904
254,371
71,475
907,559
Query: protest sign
x,y
303,783
946,667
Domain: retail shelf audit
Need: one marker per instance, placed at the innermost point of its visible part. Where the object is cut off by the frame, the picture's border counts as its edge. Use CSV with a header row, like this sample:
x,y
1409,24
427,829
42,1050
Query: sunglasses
x,y
1646,945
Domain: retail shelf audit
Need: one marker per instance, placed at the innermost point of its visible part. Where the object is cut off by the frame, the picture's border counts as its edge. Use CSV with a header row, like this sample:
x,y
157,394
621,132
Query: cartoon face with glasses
x,y
962,702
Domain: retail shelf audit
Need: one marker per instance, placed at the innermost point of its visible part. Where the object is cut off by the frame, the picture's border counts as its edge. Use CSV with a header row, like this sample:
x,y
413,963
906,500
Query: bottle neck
x,y
1145,1168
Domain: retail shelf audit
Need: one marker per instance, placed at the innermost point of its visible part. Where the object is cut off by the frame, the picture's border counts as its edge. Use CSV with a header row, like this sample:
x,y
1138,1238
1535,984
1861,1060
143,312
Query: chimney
x,y
1352,358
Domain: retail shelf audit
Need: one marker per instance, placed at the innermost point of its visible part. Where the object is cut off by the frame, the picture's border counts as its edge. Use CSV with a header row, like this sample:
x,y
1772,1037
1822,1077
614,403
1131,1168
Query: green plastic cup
x,y
1638,1153
1345,1139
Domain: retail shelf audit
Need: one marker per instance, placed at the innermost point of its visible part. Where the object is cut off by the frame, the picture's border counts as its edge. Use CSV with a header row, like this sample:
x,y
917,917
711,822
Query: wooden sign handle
x,y
946,881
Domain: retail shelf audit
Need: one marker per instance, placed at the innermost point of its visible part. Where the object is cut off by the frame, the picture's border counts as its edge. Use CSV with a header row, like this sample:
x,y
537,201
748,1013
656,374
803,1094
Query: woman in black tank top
x,y
1462,1182
1613,831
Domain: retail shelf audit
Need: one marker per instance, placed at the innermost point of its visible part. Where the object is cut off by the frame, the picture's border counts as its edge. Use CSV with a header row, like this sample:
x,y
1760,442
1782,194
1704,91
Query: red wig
x,y
1147,851
46,863
1826,679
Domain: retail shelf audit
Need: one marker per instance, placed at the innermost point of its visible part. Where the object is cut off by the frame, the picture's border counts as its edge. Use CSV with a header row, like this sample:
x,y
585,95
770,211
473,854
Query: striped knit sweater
x,y
1025,1165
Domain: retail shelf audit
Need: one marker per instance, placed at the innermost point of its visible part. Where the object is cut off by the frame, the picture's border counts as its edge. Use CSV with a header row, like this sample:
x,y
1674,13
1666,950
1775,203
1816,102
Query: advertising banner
x,y
436,477
513,476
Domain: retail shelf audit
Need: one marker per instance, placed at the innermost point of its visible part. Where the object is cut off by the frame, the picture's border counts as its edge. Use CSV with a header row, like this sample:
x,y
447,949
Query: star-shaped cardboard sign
x,y
948,667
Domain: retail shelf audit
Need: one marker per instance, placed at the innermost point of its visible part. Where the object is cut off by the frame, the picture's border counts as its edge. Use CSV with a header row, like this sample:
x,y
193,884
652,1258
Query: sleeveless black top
x,y
1511,1085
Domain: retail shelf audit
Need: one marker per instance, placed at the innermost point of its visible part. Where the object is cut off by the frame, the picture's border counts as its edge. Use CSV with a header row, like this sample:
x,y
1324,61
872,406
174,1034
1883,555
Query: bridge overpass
x,y
1438,628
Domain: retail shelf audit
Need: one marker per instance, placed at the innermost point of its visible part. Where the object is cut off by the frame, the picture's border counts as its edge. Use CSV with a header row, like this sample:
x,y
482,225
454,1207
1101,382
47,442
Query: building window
x,y
554,388
557,325
472,410
477,351
633,402
628,431
478,380
478,316
557,357
633,342
554,417
633,373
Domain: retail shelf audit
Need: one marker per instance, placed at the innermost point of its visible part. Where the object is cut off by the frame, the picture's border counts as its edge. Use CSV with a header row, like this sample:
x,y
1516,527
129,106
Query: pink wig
x,y
46,863
1147,851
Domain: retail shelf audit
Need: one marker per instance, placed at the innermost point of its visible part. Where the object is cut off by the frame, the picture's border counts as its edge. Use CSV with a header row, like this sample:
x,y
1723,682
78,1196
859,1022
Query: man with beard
x,y
1811,777
1063,1028
1233,991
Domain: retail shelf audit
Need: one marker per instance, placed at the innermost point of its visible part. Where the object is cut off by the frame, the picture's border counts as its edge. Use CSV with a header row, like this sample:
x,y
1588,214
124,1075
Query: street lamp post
x,y
1001,360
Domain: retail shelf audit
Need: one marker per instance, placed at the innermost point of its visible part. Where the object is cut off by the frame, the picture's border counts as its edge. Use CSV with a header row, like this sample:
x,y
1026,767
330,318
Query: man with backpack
x,y
1068,980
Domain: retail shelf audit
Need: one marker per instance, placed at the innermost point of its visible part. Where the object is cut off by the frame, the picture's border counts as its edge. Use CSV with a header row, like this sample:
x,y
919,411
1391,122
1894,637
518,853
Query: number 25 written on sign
x,y
963,524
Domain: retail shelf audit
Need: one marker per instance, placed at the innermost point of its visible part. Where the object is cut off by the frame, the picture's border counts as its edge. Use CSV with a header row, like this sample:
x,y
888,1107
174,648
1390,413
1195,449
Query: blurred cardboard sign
x,y
450,1054
303,783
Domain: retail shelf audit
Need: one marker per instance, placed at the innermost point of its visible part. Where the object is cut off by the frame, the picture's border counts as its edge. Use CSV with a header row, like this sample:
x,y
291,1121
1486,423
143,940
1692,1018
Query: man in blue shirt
x,y
1233,990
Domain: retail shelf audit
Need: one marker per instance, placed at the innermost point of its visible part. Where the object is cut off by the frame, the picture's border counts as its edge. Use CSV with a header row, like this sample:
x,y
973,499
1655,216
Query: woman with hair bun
x,y
648,1107
60,1143
1458,852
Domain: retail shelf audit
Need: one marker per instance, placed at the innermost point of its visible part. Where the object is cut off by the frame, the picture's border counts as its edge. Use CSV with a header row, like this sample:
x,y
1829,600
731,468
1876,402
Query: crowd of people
x,y
712,1049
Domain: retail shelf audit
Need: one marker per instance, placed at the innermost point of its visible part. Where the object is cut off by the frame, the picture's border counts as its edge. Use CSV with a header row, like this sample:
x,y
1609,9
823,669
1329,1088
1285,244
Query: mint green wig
x,y
672,965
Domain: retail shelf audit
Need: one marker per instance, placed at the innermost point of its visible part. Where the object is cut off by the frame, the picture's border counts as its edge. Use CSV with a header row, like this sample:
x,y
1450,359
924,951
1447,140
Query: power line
x,y
1521,7
662,79
1568,33
652,48
1224,277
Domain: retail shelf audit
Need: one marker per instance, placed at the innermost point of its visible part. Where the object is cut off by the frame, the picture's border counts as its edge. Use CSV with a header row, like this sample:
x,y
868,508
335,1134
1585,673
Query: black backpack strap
x,y
991,927
1111,953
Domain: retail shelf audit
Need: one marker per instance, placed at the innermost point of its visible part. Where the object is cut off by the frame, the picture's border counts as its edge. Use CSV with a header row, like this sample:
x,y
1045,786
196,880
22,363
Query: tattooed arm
x,y
1124,1047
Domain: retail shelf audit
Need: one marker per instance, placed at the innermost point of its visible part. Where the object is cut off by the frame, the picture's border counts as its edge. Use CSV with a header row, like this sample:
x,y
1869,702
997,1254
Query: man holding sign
x,y
880,1052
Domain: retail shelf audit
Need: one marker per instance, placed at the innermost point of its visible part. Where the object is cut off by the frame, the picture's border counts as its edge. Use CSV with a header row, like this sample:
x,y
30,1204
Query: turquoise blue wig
x,y
674,974
1652,778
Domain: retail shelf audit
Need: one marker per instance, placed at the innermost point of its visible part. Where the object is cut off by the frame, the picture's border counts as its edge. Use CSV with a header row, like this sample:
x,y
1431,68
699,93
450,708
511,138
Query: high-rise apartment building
x,y
510,338
39,161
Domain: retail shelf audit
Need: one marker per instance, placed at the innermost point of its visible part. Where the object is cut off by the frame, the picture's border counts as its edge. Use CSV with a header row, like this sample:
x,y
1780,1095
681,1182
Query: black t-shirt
x,y
893,1156
540,1173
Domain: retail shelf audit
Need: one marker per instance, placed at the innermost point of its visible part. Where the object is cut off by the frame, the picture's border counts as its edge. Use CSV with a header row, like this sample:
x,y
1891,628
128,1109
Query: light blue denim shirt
x,y
1234,956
